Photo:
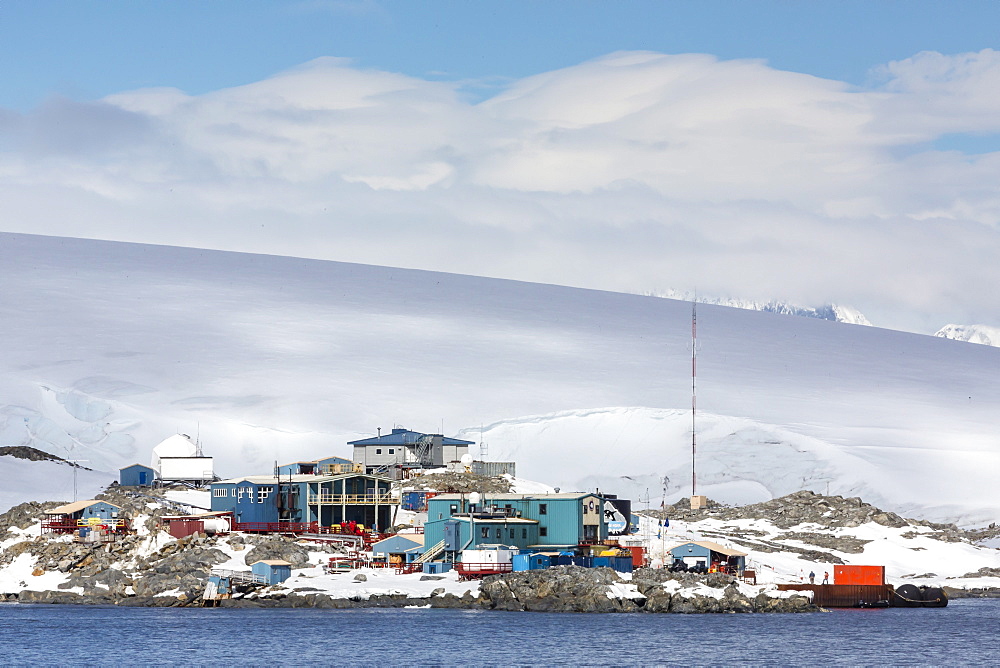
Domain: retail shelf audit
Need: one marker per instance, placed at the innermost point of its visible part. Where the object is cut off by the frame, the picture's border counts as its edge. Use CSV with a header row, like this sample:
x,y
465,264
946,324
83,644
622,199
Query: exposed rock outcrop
x,y
576,589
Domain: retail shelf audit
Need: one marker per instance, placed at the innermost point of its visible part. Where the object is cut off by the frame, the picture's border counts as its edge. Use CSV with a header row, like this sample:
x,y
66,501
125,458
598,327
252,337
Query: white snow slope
x,y
109,348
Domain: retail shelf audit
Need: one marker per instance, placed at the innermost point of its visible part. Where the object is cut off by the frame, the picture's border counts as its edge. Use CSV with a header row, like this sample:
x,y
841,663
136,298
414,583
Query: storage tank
x,y
215,525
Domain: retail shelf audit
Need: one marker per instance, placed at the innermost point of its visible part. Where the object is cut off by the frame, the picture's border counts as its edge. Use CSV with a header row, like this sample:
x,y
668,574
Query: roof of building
x,y
70,508
487,498
178,445
714,547
416,538
401,436
134,465
198,516
315,461
272,562
295,477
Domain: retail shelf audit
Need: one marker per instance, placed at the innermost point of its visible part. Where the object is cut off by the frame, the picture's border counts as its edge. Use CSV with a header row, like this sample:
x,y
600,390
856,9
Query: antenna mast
x,y
694,375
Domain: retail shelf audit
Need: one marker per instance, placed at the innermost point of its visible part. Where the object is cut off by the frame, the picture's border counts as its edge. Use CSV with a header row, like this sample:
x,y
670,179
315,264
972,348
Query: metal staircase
x,y
430,553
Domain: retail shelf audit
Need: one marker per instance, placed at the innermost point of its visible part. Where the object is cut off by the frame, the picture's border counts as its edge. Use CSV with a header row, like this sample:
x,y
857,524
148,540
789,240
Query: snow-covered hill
x,y
832,312
109,348
983,334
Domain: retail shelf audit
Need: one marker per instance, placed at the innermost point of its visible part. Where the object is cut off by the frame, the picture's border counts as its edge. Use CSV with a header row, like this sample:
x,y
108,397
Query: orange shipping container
x,y
638,556
859,575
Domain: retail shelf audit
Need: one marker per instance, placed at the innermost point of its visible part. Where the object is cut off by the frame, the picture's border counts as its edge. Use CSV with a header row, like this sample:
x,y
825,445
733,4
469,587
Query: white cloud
x,y
633,171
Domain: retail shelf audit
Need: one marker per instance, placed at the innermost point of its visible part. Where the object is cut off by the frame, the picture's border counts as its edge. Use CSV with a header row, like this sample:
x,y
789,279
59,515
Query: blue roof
x,y
400,436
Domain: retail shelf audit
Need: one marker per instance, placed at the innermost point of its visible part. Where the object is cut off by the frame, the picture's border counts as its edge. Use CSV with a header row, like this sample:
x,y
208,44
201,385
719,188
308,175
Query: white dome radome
x,y
178,445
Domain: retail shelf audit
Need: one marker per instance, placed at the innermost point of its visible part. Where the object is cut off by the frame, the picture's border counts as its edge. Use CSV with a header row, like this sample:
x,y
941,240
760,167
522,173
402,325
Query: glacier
x,y
111,347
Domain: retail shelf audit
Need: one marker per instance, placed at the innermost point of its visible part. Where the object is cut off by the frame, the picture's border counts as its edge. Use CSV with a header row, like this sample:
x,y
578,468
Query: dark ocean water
x,y
964,633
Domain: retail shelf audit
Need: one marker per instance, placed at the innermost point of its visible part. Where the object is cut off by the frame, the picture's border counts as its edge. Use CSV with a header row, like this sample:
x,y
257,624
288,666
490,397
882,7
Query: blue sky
x,y
86,49
810,152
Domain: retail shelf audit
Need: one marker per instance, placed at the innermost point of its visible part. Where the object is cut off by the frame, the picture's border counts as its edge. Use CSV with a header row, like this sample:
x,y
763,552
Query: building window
x,y
486,532
392,451
585,509
524,533
244,491
454,508
378,451
543,531
512,534
543,508
220,492
264,492
498,533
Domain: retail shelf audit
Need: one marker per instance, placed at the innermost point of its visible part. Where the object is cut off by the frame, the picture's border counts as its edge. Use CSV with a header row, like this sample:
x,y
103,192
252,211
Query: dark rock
x,y
278,547
60,597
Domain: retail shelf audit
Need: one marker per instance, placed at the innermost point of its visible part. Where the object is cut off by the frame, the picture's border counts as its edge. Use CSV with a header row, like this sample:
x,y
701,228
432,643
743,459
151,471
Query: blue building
x,y
274,571
526,521
317,500
136,475
710,556
327,466
68,517
403,548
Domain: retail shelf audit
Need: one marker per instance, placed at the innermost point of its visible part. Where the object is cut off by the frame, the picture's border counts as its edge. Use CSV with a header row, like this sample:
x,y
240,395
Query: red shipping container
x,y
183,528
638,556
859,575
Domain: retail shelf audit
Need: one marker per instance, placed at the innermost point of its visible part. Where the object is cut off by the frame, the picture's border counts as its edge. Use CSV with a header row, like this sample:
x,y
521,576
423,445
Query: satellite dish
x,y
474,498
466,459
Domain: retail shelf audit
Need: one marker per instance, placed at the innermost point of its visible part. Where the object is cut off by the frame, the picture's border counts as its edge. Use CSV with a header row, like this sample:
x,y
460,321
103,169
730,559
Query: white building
x,y
408,449
178,459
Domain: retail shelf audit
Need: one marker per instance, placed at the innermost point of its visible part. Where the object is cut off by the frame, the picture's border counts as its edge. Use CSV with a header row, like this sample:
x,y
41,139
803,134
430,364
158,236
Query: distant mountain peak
x,y
982,334
832,312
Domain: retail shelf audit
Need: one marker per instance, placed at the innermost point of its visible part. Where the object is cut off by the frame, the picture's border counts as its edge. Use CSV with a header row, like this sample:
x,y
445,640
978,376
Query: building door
x,y
590,532
142,477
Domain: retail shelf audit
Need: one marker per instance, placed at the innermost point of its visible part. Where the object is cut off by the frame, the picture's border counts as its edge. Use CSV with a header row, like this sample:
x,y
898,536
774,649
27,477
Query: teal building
x,y
525,521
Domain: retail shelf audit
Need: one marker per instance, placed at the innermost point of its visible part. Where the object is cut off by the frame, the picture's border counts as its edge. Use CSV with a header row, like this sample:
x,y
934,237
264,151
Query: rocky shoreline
x,y
558,589
151,569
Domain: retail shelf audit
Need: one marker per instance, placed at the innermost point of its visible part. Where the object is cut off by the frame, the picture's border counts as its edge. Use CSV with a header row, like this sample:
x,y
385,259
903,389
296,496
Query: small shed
x,y
69,517
85,510
711,556
397,549
136,475
273,571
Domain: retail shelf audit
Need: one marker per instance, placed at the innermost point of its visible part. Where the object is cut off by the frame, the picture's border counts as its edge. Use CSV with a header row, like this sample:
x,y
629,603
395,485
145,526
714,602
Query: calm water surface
x,y
964,633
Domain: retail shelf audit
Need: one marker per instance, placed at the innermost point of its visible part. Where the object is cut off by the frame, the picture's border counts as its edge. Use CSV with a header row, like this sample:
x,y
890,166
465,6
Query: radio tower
x,y
694,375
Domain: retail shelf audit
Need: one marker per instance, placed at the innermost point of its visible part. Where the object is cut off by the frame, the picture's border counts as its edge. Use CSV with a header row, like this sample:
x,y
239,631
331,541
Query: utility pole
x,y
694,375
75,464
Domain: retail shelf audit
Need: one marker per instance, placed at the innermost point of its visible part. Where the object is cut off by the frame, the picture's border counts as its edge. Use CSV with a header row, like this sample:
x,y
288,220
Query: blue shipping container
x,y
622,564
539,561
520,562
436,567
416,501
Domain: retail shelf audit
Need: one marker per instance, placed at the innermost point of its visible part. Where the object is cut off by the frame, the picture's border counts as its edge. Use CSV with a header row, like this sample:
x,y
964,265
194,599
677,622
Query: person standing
x,y
826,577
812,577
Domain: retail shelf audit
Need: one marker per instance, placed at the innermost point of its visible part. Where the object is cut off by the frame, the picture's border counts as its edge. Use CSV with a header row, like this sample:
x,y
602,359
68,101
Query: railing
x,y
406,569
431,552
364,499
334,469
240,577
276,527
475,571
67,525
